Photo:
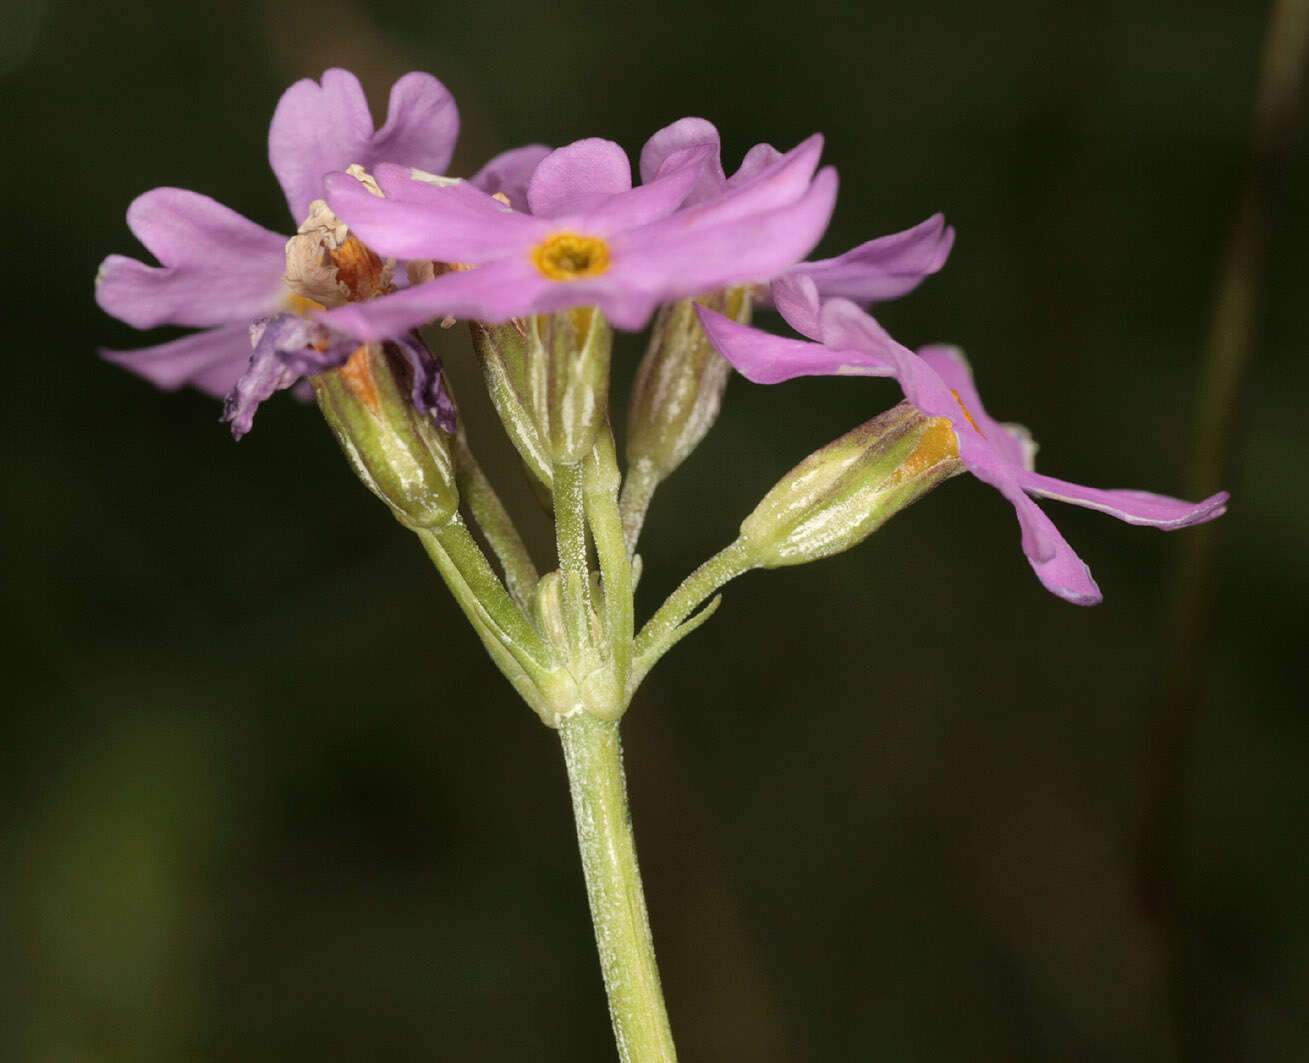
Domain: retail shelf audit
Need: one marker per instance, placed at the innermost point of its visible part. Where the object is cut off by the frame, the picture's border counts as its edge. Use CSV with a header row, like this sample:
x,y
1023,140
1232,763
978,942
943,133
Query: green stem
x,y
574,573
486,629
660,631
599,486
593,755
638,489
487,594
496,524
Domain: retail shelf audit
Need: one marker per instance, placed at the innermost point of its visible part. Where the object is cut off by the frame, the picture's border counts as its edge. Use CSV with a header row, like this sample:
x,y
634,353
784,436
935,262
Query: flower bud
x,y
680,382
548,377
400,453
844,492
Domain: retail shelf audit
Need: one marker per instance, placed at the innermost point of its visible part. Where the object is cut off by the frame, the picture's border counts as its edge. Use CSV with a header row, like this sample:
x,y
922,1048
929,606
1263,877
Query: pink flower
x,y
938,382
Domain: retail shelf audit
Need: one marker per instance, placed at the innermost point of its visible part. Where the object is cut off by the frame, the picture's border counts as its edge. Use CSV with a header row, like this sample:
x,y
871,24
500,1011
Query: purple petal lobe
x,y
756,160
682,134
210,360
217,267
886,267
795,296
509,174
683,255
580,176
311,126
653,200
767,359
320,128
422,125
782,182
420,220
844,325
285,348
495,292
1056,564
1134,507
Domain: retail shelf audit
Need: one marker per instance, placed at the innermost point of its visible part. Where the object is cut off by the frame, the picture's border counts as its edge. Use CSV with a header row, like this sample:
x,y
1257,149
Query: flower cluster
x,y
387,243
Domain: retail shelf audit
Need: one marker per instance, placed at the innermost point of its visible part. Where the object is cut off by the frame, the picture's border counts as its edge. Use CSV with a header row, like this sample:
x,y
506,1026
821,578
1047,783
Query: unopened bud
x,y
841,494
548,377
399,452
680,382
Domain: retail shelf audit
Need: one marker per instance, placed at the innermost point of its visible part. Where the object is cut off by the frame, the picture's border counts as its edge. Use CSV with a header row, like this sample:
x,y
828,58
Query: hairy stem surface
x,y
593,755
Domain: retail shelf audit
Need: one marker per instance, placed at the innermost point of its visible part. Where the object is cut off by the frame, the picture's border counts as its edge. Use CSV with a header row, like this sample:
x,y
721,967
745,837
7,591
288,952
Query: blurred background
x,y
263,798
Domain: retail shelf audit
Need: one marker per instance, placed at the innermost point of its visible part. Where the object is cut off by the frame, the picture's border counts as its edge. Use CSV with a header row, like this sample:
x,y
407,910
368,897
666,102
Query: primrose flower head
x,y
590,238
938,382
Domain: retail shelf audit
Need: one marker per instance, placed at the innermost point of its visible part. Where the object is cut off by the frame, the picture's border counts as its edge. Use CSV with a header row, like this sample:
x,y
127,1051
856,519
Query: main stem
x,y
594,757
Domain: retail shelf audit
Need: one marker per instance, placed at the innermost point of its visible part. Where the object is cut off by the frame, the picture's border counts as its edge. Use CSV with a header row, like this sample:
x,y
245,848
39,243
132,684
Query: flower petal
x,y
795,297
509,173
311,127
683,256
844,325
886,267
1055,563
449,222
210,360
651,201
756,160
1134,507
578,177
783,181
507,288
1058,567
422,125
218,267
767,359
320,128
686,133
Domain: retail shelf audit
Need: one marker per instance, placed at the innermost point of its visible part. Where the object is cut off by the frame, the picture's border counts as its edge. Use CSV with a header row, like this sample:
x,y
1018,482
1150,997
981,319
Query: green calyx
x,y
680,382
548,376
841,494
400,454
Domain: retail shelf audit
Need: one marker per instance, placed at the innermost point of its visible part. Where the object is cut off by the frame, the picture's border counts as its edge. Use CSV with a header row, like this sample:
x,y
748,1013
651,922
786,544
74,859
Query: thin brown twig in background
x,y
1218,443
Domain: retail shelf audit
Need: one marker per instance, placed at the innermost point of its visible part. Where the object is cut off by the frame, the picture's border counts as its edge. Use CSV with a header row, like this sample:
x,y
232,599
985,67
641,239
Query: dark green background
x,y
263,798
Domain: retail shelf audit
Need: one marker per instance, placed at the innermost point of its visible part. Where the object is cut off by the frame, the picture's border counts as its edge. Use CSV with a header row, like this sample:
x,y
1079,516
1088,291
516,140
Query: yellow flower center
x,y
570,257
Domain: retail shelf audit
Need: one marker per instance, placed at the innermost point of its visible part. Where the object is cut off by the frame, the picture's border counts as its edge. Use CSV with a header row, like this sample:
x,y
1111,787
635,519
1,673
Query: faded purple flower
x,y
287,347
220,271
884,268
938,382
590,239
